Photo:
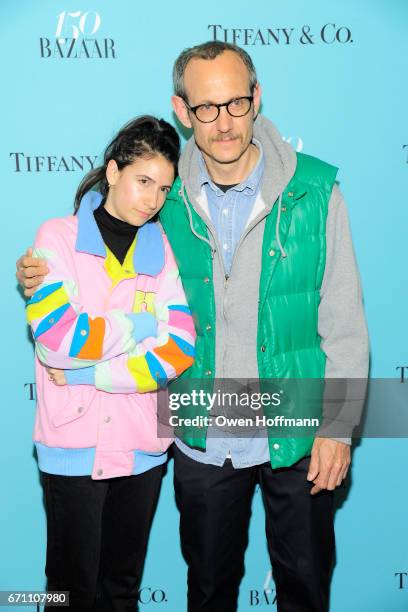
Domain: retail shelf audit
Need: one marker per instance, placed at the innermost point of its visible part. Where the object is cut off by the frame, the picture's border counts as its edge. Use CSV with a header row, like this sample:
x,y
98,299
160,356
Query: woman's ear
x,y
112,172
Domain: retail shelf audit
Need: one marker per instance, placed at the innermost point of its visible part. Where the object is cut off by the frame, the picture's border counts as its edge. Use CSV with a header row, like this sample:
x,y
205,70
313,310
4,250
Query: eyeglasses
x,y
206,113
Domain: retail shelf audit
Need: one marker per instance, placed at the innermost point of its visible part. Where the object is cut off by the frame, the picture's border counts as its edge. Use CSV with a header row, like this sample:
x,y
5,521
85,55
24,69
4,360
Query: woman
x,y
110,325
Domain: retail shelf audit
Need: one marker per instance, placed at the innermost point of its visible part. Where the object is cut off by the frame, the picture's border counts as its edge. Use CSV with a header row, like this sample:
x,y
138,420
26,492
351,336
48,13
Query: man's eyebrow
x,y
204,102
223,102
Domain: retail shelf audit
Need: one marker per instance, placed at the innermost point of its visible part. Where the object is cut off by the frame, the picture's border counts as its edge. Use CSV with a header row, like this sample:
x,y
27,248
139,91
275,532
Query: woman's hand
x,y
56,376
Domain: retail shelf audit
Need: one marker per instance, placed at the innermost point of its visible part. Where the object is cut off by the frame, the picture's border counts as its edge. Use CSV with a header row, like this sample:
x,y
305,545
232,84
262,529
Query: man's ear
x,y
181,111
257,98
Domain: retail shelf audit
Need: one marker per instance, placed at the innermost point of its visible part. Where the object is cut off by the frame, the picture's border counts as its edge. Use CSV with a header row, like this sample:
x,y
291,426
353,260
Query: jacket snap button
x,y
263,348
208,327
80,409
99,472
290,194
276,446
206,280
107,419
271,252
208,373
83,332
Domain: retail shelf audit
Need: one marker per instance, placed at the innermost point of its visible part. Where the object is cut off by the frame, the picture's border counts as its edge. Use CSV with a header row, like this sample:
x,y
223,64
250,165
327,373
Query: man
x,y
262,241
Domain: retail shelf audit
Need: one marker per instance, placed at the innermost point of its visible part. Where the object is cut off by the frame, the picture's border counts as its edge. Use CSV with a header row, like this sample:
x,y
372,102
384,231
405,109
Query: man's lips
x,y
225,140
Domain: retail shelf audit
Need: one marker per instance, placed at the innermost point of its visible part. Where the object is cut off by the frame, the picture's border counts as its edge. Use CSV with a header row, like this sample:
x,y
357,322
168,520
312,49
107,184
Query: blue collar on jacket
x,y
148,257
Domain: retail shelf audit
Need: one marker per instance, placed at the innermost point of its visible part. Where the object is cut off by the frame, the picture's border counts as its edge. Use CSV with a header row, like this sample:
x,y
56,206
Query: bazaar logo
x,y
265,597
328,34
74,38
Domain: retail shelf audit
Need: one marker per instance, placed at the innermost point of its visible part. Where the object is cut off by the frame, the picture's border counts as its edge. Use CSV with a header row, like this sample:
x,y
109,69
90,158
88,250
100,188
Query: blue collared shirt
x,y
229,213
230,210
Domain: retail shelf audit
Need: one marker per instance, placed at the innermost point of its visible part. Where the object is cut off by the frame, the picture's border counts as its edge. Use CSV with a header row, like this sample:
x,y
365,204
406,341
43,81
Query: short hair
x,y
209,50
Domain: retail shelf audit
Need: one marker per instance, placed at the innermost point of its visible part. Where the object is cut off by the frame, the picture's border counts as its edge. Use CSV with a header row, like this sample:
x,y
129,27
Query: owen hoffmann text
x,y
258,420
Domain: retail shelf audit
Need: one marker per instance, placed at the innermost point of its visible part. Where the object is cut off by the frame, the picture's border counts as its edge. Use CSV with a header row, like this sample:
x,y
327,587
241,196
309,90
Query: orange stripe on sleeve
x,y
171,353
93,347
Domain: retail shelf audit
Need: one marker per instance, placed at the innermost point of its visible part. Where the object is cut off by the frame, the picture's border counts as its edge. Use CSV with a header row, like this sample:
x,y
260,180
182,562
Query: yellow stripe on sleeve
x,y
49,304
140,372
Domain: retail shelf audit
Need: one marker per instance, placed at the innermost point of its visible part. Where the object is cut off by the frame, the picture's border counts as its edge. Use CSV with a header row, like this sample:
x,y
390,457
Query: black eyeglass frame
x,y
194,109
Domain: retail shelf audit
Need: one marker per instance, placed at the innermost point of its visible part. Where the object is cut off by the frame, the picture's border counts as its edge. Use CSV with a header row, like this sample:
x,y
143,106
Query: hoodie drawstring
x,y
277,227
182,194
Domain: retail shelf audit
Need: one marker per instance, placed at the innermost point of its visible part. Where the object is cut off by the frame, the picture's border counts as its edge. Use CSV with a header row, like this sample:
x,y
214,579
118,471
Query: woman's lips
x,y
142,214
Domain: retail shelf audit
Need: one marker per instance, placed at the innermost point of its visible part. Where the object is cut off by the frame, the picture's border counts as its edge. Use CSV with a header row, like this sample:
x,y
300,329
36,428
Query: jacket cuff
x,y
144,325
82,376
341,431
325,434
344,440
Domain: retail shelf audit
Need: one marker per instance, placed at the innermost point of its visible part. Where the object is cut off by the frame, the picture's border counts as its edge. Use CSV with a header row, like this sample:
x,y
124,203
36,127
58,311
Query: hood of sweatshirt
x,y
280,163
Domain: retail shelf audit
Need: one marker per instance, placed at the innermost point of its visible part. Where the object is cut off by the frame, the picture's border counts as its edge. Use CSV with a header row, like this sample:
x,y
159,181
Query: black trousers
x,y
215,508
97,533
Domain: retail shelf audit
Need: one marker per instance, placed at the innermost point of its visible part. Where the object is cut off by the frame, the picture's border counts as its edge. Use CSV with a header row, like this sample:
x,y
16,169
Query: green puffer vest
x,y
289,296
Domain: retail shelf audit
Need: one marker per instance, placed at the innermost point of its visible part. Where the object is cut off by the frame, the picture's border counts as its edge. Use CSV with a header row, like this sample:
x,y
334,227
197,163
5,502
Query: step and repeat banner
x,y
334,82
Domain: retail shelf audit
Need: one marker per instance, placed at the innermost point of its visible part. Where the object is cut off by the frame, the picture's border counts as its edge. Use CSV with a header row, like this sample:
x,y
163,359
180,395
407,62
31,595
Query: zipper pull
x,y
226,280
213,251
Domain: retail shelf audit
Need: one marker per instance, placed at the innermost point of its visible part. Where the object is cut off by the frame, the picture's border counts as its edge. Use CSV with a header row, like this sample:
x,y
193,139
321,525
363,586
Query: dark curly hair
x,y
144,136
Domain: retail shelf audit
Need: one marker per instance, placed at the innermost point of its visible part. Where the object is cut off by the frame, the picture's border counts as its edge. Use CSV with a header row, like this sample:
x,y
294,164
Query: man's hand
x,y
329,464
30,272
56,376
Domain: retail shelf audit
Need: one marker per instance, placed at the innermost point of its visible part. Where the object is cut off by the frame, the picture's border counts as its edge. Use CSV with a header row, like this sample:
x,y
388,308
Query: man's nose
x,y
224,120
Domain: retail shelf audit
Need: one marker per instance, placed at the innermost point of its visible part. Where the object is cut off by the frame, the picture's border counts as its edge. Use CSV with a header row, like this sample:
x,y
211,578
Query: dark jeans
x,y
97,533
215,508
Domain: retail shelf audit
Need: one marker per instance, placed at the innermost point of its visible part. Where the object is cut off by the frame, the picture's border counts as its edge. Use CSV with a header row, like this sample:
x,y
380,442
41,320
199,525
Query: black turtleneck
x,y
117,235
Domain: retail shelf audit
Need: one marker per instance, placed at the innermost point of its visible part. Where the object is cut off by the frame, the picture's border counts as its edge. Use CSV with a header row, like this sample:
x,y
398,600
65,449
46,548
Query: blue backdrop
x,y
334,82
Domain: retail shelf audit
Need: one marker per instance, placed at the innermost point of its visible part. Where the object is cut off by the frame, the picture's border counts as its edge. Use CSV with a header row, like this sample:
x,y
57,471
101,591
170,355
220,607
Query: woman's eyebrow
x,y
151,179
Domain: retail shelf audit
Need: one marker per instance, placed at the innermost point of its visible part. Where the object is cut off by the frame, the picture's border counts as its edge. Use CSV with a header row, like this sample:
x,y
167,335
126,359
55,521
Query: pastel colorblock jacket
x,y
91,312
